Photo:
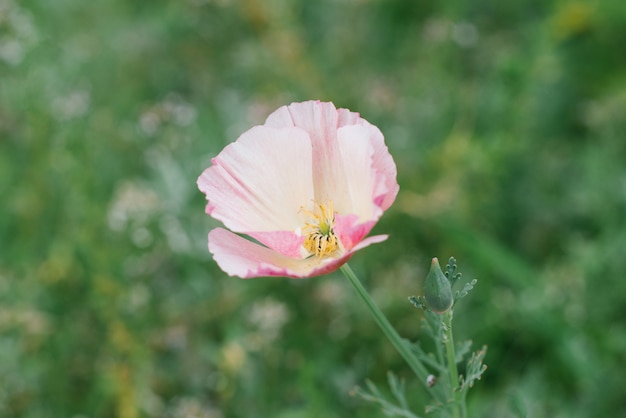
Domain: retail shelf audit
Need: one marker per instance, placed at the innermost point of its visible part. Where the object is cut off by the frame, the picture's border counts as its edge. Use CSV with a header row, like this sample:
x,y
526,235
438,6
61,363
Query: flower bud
x,y
437,289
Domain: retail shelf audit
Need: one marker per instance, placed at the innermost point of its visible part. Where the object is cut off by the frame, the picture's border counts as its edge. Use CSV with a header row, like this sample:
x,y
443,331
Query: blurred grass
x,y
506,121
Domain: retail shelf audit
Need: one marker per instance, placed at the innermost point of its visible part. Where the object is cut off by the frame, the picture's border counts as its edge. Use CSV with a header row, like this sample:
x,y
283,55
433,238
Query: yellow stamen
x,y
321,239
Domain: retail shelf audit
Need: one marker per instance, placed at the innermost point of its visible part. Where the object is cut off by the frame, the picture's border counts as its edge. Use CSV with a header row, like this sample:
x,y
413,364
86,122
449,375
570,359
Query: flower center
x,y
321,239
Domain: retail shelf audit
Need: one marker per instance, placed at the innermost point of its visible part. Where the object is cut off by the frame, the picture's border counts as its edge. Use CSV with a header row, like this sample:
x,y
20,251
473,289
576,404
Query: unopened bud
x,y
437,289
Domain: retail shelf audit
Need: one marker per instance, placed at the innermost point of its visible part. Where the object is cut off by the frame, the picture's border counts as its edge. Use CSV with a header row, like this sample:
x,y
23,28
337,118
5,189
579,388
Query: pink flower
x,y
307,187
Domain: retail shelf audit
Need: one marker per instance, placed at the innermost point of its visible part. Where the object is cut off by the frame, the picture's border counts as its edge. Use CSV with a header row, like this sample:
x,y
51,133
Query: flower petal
x,y
369,168
260,182
361,179
349,156
386,169
285,242
348,118
350,231
240,257
320,120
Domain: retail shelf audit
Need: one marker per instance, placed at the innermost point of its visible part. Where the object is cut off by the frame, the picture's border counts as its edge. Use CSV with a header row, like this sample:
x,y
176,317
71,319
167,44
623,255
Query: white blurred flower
x,y
268,316
173,109
131,202
464,34
188,407
17,33
71,106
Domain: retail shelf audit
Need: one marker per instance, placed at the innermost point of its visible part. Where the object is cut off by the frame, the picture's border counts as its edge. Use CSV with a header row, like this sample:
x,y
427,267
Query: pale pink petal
x,y
385,168
320,120
280,118
285,242
369,168
347,118
361,178
369,241
334,163
260,182
350,231
385,186
240,257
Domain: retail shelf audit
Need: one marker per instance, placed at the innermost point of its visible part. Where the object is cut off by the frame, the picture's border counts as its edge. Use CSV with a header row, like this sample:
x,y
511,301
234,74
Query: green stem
x,y
403,348
455,394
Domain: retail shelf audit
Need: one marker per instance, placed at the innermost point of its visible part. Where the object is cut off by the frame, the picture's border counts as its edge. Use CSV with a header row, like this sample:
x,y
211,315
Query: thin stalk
x,y
401,346
438,329
455,395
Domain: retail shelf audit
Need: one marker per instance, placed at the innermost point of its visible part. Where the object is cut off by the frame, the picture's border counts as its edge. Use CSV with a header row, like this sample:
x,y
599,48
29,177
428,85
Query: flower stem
x,y
455,394
402,346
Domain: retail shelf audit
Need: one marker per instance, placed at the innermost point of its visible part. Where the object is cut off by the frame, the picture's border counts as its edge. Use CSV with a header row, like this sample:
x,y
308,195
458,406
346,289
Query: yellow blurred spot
x,y
120,337
234,357
574,18
59,266
126,405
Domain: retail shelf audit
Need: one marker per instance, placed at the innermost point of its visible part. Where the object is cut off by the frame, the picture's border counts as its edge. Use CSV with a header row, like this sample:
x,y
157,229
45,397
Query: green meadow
x,y
507,123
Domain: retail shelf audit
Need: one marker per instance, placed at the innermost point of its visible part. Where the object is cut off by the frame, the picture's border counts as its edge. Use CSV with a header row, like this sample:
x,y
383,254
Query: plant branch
x,y
401,345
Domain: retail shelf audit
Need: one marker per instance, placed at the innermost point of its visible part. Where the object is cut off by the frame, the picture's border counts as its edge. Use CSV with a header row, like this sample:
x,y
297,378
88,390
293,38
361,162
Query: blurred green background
x,y
506,120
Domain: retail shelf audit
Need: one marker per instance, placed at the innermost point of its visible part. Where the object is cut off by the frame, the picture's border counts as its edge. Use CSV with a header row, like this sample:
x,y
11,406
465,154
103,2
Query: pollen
x,y
321,239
